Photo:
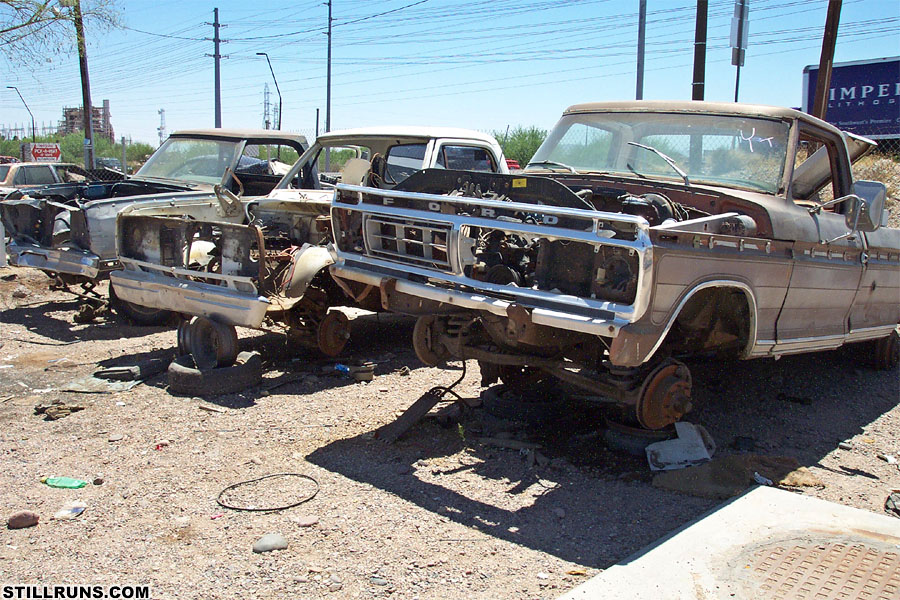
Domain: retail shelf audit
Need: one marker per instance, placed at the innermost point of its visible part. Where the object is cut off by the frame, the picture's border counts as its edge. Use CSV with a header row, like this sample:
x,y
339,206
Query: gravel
x,y
435,515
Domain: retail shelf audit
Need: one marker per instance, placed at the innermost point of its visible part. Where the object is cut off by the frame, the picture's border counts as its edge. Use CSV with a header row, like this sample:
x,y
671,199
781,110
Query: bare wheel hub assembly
x,y
665,396
332,333
426,340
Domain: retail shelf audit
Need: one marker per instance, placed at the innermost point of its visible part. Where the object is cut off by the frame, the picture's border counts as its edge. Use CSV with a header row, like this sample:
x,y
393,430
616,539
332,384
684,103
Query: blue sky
x,y
481,64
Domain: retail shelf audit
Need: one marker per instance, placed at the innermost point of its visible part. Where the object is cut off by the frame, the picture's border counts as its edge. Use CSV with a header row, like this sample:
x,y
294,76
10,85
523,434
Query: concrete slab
x,y
766,543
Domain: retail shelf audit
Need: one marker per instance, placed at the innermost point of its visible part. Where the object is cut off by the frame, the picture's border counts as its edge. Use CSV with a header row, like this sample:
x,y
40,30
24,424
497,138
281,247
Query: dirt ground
x,y
436,515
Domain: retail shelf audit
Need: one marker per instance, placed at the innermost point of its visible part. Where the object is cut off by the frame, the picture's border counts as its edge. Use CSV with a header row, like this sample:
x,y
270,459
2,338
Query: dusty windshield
x,y
200,161
735,151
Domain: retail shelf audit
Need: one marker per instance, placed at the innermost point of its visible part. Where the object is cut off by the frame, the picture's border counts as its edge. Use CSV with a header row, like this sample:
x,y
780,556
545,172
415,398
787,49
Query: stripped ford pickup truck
x,y
266,259
640,233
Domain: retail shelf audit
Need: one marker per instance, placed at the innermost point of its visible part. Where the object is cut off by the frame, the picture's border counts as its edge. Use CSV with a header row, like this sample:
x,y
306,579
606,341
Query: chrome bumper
x,y
560,319
224,304
67,261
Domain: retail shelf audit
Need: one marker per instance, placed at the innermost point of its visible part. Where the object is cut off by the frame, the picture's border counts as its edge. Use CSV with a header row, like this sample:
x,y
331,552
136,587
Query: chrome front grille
x,y
411,241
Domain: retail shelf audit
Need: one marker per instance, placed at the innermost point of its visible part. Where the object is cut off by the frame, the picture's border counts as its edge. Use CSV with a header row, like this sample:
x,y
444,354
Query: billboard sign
x,y
41,152
864,96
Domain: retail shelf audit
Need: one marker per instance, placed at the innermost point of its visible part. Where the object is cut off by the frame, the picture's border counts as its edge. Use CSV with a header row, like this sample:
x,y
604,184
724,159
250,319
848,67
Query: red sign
x,y
43,152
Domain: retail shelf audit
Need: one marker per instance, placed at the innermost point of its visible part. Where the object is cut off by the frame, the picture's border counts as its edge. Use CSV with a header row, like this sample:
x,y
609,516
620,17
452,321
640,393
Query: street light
x,y
276,86
33,134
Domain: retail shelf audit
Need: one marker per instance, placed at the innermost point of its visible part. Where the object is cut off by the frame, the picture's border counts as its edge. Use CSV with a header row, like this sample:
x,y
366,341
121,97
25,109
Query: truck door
x,y
876,305
826,274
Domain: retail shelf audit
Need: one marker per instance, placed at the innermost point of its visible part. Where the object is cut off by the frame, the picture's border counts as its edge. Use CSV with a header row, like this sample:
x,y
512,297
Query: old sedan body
x,y
69,229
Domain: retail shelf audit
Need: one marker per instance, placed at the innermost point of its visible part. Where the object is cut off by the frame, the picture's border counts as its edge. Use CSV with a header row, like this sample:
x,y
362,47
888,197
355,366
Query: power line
x,y
162,35
381,14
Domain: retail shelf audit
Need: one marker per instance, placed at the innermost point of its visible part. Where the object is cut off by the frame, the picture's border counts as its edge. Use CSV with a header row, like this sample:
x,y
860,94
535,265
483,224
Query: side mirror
x,y
866,213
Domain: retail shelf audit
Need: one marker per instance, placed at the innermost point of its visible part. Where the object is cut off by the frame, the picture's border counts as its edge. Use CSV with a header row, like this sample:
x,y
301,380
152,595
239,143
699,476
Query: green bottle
x,y
64,482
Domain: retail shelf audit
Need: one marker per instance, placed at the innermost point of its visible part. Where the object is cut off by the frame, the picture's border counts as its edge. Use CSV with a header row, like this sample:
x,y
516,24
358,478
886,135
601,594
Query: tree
x,y
32,30
521,143
72,148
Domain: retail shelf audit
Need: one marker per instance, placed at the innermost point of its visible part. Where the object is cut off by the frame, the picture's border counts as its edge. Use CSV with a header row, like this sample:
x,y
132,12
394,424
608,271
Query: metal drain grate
x,y
829,571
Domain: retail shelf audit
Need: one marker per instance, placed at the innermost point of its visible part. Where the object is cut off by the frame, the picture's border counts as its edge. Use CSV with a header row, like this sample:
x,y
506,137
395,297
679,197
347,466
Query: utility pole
x,y
317,123
33,132
823,81
124,157
277,89
162,126
328,92
697,87
642,31
266,121
87,109
217,56
739,29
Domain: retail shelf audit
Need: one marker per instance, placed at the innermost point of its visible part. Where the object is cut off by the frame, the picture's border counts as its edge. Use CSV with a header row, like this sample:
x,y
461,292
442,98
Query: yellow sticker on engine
x,y
520,183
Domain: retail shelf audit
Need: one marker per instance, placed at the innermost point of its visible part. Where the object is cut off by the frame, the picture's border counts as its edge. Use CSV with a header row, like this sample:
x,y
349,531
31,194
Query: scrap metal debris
x,y
889,459
95,385
57,409
693,446
393,430
892,503
136,372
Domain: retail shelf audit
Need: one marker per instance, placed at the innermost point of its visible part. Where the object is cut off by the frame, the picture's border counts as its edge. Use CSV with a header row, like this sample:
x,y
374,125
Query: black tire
x,y
632,440
185,379
212,344
886,355
137,314
184,336
503,403
62,229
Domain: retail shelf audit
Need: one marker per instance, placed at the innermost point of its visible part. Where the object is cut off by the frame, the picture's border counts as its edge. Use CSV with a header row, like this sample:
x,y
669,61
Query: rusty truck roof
x,y
697,106
857,145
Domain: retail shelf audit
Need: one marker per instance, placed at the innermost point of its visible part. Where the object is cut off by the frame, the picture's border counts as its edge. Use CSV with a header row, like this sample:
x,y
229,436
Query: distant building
x,y
73,120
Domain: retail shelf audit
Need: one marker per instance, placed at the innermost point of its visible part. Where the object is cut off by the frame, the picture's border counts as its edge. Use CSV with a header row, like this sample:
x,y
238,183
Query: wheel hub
x,y
333,333
426,341
665,397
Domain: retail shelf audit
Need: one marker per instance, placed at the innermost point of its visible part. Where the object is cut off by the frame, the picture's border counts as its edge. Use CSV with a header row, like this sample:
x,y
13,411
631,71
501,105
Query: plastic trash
x,y
70,510
64,482
342,369
762,480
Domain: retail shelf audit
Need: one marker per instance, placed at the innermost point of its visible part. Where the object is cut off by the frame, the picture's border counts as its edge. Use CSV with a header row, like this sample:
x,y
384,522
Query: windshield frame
x,y
757,155
237,152
312,156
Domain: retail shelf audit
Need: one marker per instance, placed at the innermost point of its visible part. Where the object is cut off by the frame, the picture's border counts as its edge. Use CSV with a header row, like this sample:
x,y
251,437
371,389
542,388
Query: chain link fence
x,y
884,165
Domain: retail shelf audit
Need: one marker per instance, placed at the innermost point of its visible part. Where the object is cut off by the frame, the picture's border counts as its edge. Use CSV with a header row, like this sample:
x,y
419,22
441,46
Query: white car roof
x,y
410,131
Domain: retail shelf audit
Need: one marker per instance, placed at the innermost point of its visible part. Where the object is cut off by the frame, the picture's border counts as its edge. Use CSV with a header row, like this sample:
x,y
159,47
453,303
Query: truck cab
x,y
640,234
